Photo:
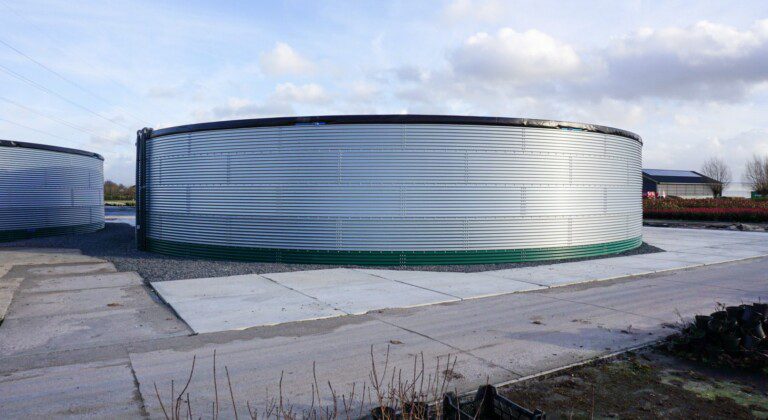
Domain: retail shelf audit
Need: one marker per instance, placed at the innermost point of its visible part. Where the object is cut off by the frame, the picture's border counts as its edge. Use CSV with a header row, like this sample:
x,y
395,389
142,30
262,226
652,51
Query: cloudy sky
x,y
690,77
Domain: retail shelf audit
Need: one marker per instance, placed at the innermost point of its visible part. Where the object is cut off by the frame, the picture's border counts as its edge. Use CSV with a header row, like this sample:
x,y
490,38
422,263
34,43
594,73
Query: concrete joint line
x,y
304,294
715,286
127,347
605,307
628,276
490,273
731,261
409,284
50,292
458,350
693,251
154,294
137,390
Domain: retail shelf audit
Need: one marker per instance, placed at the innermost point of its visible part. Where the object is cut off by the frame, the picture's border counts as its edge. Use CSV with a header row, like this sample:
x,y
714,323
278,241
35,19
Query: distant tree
x,y
718,170
756,173
115,191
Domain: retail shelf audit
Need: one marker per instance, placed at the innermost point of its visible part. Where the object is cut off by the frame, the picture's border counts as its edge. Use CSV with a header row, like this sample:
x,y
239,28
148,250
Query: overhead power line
x,y
50,92
64,78
53,118
36,130
55,41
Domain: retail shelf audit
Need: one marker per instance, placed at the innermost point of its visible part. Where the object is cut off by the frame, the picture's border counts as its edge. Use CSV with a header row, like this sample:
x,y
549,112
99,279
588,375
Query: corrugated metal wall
x,y
684,190
394,187
49,192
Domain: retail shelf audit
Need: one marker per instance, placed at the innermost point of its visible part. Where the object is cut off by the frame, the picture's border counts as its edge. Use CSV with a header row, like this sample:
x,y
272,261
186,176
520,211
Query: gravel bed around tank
x,y
116,244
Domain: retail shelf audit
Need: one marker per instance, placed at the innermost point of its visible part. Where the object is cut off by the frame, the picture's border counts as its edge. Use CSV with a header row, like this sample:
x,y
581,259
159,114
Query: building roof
x,y
672,176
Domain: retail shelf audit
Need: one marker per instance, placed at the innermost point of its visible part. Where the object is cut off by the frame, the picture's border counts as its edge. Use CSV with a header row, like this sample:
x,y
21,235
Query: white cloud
x,y
165,91
683,120
245,108
607,111
696,44
309,93
481,10
703,61
110,138
120,166
688,88
283,101
519,57
362,91
283,60
412,74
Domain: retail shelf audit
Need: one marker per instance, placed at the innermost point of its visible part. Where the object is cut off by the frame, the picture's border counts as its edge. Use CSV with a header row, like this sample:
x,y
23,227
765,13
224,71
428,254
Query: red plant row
x,y
715,214
670,203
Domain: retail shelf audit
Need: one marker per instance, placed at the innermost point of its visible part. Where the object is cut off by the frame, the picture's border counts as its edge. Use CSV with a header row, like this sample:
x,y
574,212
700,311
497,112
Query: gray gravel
x,y
115,243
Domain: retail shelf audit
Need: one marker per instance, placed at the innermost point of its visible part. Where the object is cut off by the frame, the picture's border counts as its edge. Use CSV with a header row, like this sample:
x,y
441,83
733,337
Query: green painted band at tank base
x,y
18,234
275,255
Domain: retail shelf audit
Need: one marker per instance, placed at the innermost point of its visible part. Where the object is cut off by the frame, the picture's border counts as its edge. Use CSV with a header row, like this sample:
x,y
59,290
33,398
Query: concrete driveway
x,y
81,355
245,301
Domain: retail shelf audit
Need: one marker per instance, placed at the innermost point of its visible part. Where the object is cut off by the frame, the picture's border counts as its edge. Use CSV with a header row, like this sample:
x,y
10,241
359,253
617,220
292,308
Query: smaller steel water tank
x,y
49,190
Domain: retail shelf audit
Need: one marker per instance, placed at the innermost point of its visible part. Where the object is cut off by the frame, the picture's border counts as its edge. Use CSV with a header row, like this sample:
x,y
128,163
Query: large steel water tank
x,y
389,190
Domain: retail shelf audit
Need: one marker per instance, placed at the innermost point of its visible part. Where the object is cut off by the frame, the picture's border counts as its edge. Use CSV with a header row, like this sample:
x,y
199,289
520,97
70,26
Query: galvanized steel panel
x,y
393,187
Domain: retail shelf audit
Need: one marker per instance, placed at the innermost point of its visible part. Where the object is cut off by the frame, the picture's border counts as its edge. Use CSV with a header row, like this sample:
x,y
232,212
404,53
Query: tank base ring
x,y
391,258
15,235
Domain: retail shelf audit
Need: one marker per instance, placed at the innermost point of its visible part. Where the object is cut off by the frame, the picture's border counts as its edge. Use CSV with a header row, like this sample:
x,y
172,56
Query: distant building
x,y
685,184
738,189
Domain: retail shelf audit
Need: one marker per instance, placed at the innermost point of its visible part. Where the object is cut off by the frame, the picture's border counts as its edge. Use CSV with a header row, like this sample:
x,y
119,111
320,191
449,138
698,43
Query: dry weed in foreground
x,y
389,390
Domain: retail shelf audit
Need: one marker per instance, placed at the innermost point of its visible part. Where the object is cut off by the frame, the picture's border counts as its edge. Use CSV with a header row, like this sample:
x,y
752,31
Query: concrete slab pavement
x,y
461,285
686,258
341,355
61,392
228,303
87,282
73,269
11,258
81,301
39,256
4,269
213,287
8,287
79,331
543,275
528,332
357,291
79,311
579,272
509,335
500,337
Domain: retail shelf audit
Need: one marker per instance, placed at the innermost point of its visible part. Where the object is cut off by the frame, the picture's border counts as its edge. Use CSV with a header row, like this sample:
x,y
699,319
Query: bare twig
x,y
179,401
215,389
231,393
160,400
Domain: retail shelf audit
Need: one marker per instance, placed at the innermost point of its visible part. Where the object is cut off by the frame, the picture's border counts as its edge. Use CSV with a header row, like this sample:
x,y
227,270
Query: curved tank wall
x,y
389,190
49,190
